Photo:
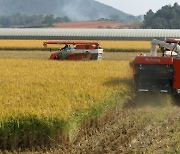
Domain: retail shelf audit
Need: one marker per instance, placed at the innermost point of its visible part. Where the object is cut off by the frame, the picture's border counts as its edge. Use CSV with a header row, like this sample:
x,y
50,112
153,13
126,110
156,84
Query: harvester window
x,y
66,47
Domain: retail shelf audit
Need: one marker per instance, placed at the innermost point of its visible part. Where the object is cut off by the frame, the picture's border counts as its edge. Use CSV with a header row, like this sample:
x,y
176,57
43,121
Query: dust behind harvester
x,y
159,72
76,50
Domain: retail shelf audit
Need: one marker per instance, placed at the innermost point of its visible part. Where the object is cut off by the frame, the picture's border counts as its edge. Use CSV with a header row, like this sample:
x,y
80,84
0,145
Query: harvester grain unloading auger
x,y
159,71
81,50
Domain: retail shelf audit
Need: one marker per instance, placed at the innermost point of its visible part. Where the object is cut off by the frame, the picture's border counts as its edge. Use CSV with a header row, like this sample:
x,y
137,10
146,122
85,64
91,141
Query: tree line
x,y
19,20
168,17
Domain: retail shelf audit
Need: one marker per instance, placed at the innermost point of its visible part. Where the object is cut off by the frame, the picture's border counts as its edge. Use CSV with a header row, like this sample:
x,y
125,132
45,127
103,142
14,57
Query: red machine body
x,y
79,50
78,56
153,60
159,73
53,56
176,66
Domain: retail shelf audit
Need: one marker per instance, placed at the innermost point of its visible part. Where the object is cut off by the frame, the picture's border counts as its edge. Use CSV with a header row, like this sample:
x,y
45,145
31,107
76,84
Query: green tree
x,y
5,21
159,23
167,17
19,20
48,19
66,19
148,18
58,20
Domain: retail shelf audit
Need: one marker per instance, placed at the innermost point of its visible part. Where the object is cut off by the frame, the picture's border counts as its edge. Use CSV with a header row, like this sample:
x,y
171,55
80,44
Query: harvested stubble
x,y
39,99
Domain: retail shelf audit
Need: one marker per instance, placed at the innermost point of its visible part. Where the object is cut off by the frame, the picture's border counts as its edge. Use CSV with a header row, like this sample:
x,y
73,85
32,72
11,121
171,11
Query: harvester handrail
x,y
45,43
165,44
172,40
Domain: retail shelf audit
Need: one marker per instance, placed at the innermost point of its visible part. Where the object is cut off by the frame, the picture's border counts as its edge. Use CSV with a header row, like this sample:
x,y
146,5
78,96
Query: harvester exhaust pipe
x,y
178,49
153,51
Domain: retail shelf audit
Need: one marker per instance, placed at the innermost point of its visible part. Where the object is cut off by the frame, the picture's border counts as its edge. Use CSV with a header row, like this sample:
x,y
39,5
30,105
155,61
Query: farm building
x,y
87,34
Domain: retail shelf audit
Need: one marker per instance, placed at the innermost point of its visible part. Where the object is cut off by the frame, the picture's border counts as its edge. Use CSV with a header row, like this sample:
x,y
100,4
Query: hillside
x,y
76,10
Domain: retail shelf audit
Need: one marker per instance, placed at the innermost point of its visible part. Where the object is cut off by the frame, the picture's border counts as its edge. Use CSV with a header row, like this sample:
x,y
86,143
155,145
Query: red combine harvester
x,y
159,72
76,50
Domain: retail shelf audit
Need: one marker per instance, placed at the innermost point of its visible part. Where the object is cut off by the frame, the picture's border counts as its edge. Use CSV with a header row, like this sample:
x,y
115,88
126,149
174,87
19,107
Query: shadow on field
x,y
142,99
118,81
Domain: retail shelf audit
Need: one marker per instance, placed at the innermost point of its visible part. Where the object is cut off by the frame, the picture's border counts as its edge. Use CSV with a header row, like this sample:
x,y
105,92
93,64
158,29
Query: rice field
x,y
36,44
46,103
39,87
42,96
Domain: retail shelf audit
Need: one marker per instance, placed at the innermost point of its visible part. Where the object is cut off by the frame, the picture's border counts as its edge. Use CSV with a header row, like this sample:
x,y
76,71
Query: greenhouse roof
x,y
87,34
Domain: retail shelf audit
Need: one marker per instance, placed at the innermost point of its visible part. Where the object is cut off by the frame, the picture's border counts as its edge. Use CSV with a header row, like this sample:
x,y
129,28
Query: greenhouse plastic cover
x,y
87,34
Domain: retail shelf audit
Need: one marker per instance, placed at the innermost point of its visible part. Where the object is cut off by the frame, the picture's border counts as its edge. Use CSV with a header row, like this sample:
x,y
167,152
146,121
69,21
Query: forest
x,y
30,21
168,17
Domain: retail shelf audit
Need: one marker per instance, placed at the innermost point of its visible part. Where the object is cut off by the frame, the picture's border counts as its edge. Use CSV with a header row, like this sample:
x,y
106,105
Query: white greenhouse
x,y
87,34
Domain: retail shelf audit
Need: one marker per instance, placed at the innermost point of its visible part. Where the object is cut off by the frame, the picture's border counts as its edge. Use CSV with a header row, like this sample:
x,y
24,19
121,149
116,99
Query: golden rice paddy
x,y
58,89
41,100
104,44
39,87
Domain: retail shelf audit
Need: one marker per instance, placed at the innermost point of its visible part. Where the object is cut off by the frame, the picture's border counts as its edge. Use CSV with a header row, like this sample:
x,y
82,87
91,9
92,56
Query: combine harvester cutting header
x,y
76,50
159,72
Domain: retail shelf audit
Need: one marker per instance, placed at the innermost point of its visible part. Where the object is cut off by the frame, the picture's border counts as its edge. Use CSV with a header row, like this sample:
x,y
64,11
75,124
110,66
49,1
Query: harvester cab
x,y
159,71
76,50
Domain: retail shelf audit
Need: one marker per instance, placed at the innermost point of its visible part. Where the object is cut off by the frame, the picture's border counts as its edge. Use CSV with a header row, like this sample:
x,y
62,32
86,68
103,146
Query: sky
x,y
138,7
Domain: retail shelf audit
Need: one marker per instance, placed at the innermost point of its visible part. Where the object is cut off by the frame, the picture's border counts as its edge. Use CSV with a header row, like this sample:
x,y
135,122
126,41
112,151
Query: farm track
x,y
45,55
